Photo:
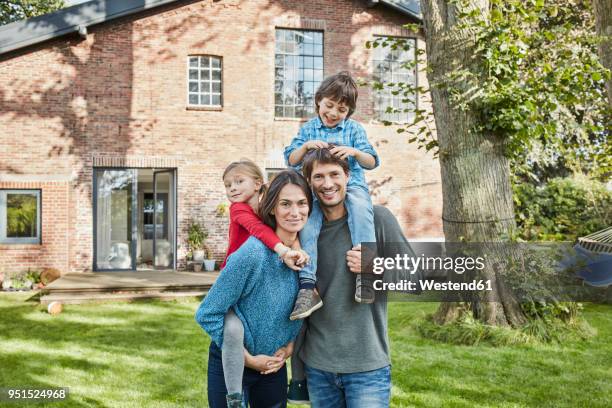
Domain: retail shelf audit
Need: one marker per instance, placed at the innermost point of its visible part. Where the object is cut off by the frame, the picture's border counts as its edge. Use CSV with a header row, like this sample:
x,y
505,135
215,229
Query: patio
x,y
126,286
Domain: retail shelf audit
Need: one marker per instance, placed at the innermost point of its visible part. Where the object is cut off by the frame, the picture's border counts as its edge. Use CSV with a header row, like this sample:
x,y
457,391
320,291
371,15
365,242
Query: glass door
x,y
163,219
114,219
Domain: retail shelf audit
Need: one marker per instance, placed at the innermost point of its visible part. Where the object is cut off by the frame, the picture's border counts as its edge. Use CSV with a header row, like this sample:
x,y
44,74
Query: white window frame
x,y
309,75
3,217
210,81
382,116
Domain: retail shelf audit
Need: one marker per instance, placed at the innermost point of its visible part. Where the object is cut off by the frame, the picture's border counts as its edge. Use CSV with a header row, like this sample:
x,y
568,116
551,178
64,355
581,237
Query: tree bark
x,y
477,194
603,22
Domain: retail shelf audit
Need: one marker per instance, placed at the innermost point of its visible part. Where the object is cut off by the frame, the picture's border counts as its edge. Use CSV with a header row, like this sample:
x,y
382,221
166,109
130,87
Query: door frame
x,y
134,220
171,194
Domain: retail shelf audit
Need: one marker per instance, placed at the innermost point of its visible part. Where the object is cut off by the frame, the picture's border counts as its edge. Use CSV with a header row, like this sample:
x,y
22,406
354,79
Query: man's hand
x,y
315,144
353,259
343,152
264,364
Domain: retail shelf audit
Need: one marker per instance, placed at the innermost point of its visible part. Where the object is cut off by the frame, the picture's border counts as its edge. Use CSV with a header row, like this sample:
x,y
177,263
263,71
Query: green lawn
x,y
152,354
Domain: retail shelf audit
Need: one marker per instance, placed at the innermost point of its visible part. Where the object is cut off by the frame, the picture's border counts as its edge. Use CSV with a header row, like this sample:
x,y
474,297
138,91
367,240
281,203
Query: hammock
x,y
596,250
598,242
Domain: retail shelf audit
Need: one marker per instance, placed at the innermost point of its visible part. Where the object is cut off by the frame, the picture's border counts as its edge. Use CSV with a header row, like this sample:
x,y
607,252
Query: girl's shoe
x,y
234,400
298,392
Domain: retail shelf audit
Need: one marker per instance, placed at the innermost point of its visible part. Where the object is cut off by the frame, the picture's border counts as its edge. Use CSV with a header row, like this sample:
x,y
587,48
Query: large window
x,y
388,69
204,85
298,71
20,216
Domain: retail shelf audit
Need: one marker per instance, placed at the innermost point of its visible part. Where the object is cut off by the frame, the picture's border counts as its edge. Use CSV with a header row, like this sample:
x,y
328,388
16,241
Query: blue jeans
x,y
360,220
368,389
265,391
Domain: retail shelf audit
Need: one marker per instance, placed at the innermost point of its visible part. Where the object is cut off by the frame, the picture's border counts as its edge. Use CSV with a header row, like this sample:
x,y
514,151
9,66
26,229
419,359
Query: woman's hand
x,y
283,353
264,364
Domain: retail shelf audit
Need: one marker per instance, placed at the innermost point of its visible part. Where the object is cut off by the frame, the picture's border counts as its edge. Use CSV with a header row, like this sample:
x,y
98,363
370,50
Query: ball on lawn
x,y
55,308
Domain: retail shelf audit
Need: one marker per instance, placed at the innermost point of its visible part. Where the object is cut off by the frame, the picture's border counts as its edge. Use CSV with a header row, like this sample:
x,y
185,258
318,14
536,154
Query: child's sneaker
x,y
364,291
308,300
298,392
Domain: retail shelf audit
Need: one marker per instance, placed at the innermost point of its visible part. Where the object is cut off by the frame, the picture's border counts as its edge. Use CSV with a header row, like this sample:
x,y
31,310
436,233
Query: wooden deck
x,y
127,286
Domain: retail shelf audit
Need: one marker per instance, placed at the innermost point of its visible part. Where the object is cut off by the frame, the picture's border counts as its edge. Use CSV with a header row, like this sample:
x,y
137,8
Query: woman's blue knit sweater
x,y
261,290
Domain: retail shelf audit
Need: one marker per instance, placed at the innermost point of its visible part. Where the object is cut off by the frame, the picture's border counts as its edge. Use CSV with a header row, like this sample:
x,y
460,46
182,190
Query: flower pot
x,y
198,255
197,267
209,265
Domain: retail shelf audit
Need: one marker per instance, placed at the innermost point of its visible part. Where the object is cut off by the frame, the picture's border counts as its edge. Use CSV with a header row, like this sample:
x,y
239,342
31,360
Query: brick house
x,y
117,119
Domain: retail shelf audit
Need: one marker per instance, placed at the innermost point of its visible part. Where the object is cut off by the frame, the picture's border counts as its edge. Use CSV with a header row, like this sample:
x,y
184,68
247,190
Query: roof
x,y
77,18
409,7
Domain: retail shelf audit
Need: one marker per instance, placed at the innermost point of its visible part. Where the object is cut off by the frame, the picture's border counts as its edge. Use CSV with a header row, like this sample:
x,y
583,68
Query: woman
x,y
261,290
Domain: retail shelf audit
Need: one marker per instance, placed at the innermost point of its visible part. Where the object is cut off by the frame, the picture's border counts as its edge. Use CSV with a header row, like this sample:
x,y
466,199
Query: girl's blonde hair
x,y
248,168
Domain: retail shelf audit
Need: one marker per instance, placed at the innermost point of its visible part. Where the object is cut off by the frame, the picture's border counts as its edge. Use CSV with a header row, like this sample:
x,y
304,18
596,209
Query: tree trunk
x,y
477,195
603,22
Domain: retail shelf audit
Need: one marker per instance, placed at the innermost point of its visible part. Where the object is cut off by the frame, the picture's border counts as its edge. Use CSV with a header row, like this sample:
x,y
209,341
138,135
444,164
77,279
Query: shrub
x,y
562,209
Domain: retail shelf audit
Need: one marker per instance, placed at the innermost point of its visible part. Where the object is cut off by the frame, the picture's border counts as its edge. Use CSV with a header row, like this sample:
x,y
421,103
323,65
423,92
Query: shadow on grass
x,y
145,351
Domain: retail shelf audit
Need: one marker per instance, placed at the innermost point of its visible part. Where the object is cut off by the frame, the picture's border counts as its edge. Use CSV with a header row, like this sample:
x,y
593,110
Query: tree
x,y
476,190
603,16
509,78
14,10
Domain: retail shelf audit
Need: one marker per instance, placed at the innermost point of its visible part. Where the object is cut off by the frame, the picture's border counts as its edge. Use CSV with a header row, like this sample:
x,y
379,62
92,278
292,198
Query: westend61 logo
x,y
412,264
450,271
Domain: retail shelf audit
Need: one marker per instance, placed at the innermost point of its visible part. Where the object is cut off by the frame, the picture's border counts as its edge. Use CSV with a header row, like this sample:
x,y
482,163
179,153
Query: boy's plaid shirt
x,y
346,133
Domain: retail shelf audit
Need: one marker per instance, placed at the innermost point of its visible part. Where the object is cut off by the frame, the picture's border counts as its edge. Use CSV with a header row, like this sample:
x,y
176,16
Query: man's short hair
x,y
322,156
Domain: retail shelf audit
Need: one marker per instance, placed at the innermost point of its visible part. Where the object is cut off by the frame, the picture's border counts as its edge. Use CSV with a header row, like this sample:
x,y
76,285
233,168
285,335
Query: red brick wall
x,y
69,104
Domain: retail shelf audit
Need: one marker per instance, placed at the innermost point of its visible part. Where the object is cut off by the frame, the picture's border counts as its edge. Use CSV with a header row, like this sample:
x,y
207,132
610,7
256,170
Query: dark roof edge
x,y
416,14
20,34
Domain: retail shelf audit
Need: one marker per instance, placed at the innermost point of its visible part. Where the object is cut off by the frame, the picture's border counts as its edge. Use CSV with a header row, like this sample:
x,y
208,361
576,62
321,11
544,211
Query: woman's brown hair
x,y
270,198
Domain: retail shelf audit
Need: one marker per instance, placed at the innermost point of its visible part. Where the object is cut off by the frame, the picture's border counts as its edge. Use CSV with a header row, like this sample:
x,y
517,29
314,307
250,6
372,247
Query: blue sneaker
x,y
298,393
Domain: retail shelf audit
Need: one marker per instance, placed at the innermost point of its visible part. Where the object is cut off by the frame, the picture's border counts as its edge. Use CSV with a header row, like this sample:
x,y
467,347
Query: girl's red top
x,y
244,223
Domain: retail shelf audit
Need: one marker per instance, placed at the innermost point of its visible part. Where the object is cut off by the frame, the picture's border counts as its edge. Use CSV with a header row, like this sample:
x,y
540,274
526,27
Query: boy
x,y
335,102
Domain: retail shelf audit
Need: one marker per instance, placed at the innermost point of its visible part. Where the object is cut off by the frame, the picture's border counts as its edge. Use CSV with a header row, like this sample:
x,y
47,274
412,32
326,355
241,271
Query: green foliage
x,y
535,79
23,279
21,215
562,209
555,327
14,10
196,236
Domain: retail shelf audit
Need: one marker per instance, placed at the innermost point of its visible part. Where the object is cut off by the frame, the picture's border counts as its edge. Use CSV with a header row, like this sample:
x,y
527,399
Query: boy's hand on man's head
x,y
315,144
343,152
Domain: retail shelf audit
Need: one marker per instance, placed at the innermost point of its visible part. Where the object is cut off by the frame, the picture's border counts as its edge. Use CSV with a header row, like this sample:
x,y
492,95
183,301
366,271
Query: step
x,y
79,298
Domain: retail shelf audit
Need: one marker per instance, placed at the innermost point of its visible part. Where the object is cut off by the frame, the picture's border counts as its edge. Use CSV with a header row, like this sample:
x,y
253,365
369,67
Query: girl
x,y
244,185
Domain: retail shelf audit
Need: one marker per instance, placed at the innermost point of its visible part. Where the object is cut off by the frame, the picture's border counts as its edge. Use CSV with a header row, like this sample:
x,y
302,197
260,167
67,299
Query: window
x,y
204,84
298,71
271,172
388,69
20,216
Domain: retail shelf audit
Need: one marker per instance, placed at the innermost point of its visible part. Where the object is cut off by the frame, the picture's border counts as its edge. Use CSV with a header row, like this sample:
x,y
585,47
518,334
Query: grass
x,y
152,354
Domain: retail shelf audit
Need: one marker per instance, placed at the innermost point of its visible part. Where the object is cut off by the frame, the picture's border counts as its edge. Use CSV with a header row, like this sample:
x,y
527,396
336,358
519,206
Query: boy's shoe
x,y
308,300
234,400
364,291
298,392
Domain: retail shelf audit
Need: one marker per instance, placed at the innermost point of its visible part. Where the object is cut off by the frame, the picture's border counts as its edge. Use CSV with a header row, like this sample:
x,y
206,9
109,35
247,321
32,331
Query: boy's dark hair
x,y
340,88
322,156
270,198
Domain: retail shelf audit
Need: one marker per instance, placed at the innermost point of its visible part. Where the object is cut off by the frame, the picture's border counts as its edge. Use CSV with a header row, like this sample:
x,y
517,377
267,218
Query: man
x,y
346,346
